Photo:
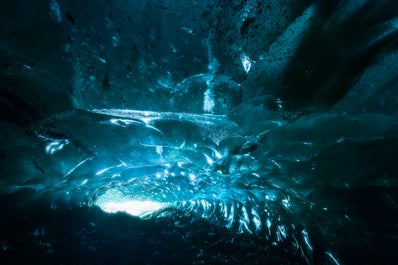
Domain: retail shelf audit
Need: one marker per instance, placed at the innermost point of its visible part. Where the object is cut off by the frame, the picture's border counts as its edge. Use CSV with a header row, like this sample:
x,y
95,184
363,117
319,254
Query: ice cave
x,y
199,132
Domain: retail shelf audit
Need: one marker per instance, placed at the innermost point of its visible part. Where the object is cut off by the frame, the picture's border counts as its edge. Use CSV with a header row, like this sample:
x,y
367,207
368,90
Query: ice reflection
x,y
214,196
246,63
151,164
56,145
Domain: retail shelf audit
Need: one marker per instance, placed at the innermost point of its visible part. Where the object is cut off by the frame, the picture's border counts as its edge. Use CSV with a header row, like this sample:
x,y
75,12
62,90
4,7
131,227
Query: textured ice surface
x,y
240,132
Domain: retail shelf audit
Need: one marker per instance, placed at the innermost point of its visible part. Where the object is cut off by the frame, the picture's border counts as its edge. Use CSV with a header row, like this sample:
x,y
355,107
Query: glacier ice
x,y
198,132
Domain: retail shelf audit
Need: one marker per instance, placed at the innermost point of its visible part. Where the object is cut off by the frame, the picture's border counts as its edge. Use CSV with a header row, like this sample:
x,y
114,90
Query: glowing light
x,y
102,60
109,168
306,239
208,159
208,102
56,145
216,153
124,122
159,149
115,41
113,201
77,166
268,223
286,202
133,207
256,220
332,258
192,177
188,30
246,63
149,117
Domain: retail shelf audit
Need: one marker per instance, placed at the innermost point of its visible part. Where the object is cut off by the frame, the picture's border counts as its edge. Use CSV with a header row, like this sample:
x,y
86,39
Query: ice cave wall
x,y
311,85
298,55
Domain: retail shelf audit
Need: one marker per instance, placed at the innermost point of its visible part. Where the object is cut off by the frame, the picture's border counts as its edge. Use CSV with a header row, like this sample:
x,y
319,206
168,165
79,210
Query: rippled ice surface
x,y
298,166
154,165
279,187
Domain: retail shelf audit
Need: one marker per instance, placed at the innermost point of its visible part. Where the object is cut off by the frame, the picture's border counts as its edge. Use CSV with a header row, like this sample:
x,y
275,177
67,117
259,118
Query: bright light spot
x,y
286,202
27,67
109,168
276,164
246,62
282,231
124,122
208,159
133,207
159,149
56,145
188,30
332,258
306,239
192,177
245,214
102,60
208,103
268,223
77,166
256,220
115,41
113,201
102,171
217,154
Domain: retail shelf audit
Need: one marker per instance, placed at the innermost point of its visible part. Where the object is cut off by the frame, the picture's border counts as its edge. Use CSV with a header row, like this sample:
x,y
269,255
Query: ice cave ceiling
x,y
274,122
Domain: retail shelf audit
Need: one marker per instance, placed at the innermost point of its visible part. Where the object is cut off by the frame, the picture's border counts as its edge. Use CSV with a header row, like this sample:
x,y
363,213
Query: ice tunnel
x,y
199,132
